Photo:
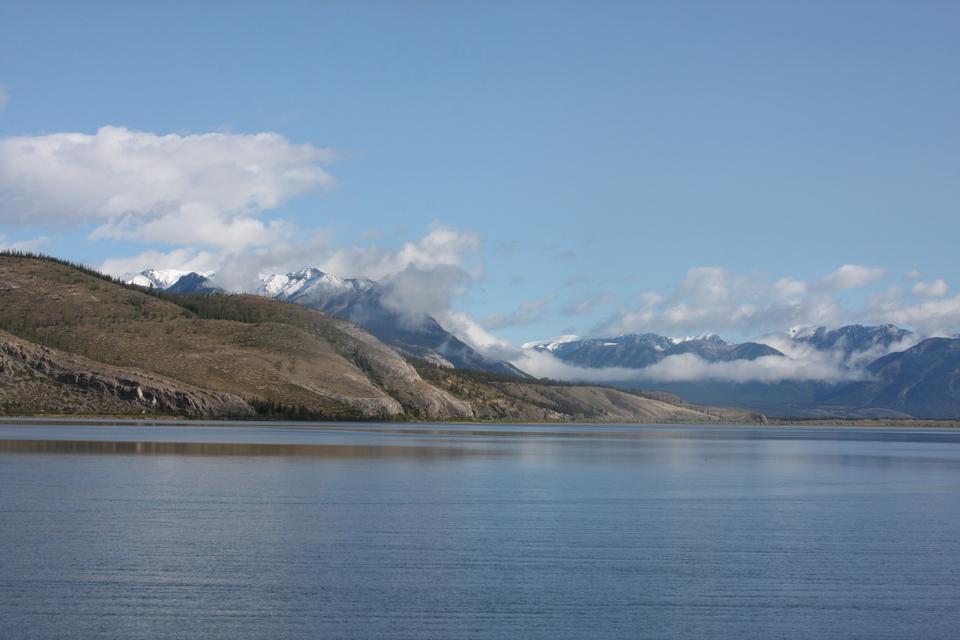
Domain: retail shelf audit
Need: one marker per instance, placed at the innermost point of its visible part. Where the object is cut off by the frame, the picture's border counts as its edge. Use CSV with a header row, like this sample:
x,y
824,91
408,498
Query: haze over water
x,y
440,531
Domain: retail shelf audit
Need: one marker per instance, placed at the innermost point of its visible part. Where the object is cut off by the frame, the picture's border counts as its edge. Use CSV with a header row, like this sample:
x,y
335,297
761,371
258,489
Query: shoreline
x,y
168,420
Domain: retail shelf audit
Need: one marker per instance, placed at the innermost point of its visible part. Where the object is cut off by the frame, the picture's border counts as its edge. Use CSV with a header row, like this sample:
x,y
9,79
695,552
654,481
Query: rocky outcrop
x,y
388,369
26,365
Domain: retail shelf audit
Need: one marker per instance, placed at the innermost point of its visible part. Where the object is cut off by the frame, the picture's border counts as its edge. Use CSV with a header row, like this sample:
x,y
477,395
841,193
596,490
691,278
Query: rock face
x,y
29,371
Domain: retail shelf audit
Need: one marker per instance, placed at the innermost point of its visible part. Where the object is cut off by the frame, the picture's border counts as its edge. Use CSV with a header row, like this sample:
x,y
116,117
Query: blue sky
x,y
584,156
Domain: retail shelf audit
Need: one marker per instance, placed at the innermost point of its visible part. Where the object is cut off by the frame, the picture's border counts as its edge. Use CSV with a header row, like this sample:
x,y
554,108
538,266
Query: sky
x,y
520,170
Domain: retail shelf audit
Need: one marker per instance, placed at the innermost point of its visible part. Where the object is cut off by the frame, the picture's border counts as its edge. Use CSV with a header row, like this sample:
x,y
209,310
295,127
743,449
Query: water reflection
x,y
243,449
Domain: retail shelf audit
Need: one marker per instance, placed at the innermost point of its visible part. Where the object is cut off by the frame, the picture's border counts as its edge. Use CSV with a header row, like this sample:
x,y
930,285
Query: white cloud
x,y
930,318
442,246
850,276
473,333
713,299
185,259
206,189
935,289
420,276
839,357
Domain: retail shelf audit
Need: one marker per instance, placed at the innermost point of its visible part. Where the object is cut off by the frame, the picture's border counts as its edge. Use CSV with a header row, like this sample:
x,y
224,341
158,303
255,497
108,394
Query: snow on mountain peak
x,y
550,345
308,281
801,331
709,337
160,278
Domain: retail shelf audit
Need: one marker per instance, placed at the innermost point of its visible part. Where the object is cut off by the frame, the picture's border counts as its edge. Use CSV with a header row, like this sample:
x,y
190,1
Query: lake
x,y
285,530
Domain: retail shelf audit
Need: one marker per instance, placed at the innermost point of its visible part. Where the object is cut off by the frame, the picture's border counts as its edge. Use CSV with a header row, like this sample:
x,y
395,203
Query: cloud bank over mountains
x,y
714,299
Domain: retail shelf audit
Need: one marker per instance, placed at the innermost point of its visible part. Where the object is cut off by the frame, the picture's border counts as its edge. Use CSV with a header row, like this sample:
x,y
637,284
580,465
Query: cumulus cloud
x,y
935,289
930,318
850,276
206,189
441,246
714,299
421,276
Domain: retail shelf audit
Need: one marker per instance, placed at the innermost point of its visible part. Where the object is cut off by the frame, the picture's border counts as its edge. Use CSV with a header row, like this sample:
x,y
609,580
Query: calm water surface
x,y
438,531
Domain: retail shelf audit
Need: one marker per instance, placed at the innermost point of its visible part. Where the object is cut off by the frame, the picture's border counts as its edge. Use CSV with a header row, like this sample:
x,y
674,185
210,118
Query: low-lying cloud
x,y
689,367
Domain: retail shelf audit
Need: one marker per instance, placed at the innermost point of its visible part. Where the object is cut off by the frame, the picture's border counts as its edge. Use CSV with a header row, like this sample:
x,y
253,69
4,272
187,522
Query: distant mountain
x,y
362,302
639,350
923,381
160,278
891,375
194,283
855,344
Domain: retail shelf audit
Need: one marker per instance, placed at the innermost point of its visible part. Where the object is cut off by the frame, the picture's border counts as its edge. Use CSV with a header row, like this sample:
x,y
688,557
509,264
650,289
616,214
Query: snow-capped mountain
x,y
363,302
852,346
358,300
160,278
310,283
639,350
550,345
173,280
879,371
852,338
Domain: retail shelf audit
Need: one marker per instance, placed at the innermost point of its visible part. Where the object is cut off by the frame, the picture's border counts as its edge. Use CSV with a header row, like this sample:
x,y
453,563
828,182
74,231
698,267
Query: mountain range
x,y
639,350
880,371
73,341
